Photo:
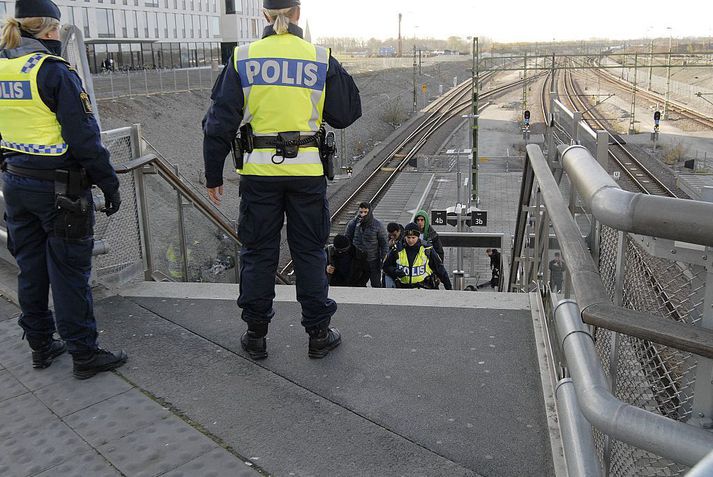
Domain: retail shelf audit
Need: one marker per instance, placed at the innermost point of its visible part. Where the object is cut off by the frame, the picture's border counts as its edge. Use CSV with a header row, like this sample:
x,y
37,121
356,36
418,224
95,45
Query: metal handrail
x,y
665,217
646,430
592,297
167,171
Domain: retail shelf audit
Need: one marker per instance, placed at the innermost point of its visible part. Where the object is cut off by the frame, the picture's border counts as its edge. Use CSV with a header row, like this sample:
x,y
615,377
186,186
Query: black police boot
x,y
322,341
45,351
96,361
253,341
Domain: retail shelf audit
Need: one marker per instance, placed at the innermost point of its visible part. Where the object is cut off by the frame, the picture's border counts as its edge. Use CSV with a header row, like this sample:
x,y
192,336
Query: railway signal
x,y
526,125
655,133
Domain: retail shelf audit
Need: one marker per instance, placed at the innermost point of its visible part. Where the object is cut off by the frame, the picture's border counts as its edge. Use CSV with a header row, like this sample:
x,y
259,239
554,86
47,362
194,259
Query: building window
x,y
172,24
151,3
3,9
105,23
85,21
230,7
136,24
145,23
215,27
122,23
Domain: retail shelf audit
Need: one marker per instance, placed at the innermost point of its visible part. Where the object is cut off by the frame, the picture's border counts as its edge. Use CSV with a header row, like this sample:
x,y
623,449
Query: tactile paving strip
x,y
116,417
70,395
90,464
216,463
22,413
34,379
156,449
9,386
31,451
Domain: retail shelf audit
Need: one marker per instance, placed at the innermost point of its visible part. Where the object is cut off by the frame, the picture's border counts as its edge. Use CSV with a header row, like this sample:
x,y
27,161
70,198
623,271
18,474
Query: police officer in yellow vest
x,y
284,88
413,265
52,153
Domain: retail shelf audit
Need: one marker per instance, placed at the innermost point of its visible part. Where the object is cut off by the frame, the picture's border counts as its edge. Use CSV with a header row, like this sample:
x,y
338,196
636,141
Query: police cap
x,y
36,8
279,4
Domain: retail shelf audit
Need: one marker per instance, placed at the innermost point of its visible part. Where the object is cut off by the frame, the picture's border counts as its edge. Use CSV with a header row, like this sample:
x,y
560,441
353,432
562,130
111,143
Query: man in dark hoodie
x,y
368,233
415,265
347,266
428,235
396,237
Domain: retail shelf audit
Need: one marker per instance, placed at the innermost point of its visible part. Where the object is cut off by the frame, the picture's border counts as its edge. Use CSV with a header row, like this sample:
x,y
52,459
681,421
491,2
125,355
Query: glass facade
x,y
152,55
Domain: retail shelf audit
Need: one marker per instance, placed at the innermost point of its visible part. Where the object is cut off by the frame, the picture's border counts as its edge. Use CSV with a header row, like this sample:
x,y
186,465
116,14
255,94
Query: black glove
x,y
400,273
112,202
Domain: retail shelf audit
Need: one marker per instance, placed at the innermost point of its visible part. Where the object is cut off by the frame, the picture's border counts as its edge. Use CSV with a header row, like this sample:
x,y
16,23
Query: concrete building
x,y
138,34
241,22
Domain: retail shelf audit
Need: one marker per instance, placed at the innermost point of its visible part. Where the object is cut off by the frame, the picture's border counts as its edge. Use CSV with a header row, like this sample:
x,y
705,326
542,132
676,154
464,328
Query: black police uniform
x,y
46,251
268,198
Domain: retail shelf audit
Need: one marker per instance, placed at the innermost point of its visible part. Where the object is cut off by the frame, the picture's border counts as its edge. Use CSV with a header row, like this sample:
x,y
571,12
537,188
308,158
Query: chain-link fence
x,y
118,84
651,376
668,282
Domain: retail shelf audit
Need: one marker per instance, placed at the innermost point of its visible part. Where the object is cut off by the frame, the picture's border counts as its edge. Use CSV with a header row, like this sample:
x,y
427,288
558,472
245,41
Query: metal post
x,y
188,78
668,82
182,233
415,107
475,87
160,80
200,79
632,116
524,84
128,77
536,249
702,414
603,148
576,119
146,81
343,148
175,83
111,82
651,63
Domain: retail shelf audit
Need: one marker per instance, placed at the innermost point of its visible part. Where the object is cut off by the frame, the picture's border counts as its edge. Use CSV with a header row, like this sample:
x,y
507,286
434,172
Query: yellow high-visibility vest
x,y
283,79
417,272
27,125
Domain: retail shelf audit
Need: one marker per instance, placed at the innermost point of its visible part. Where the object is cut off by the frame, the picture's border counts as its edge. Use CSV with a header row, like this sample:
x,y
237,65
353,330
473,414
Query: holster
x,y
242,144
74,218
327,149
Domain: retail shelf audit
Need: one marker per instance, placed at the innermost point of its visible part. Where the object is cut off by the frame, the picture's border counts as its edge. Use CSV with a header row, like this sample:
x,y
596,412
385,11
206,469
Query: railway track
x,y
645,180
453,104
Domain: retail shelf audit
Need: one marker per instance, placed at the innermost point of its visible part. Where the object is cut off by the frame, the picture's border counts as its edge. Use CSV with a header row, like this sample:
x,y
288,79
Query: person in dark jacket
x,y
368,233
415,265
347,266
428,235
395,232
52,153
494,266
285,89
557,269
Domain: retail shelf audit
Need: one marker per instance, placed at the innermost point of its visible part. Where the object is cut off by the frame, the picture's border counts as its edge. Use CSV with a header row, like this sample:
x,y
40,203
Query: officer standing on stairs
x,y
280,89
52,153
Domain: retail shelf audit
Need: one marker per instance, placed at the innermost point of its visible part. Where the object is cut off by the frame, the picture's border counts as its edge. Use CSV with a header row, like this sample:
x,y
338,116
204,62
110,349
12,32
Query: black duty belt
x,y
271,142
70,177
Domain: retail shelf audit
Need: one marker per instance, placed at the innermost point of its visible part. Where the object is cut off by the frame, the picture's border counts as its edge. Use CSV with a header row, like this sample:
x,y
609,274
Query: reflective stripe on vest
x,y
418,271
283,79
26,123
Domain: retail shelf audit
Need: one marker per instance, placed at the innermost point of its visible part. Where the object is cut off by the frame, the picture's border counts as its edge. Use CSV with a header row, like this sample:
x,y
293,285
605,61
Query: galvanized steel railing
x,y
640,273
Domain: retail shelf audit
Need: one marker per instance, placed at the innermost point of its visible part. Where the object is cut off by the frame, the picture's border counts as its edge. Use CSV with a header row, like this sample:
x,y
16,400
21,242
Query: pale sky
x,y
509,20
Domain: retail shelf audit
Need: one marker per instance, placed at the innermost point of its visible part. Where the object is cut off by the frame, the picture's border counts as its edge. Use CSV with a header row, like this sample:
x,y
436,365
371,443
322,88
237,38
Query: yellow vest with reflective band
x,y
283,79
27,125
417,272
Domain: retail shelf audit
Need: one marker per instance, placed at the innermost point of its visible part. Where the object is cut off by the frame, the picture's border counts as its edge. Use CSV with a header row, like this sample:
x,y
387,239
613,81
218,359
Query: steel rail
x,y
682,109
372,188
629,164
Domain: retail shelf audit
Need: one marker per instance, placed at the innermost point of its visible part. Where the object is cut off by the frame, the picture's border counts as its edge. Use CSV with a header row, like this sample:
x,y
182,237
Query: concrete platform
x,y
425,383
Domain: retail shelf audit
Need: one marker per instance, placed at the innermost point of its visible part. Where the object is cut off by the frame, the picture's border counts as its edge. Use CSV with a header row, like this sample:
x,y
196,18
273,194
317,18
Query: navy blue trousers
x,y
264,201
47,261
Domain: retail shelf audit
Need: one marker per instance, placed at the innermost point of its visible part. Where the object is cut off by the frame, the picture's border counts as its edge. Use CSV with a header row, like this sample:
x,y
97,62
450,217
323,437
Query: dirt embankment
x,y
172,122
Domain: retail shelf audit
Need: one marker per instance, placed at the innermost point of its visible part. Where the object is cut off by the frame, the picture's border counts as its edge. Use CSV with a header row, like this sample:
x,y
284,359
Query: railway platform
x,y
425,383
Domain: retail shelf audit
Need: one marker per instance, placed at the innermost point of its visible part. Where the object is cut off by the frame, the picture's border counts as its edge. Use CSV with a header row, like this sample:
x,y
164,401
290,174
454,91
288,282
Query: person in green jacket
x,y
428,235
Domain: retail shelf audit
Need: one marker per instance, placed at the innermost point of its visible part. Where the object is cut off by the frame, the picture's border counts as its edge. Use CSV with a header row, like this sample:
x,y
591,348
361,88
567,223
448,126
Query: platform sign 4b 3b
x,y
438,217
475,218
